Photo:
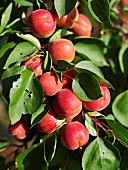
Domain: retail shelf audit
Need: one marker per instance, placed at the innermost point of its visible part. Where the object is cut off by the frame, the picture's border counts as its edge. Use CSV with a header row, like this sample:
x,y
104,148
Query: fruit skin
x,y
124,3
101,103
62,49
41,23
48,123
74,14
66,104
19,130
64,22
50,83
36,63
74,135
67,77
83,26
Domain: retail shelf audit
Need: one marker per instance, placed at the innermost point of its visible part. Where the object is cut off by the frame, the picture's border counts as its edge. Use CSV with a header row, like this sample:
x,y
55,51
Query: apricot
x,y
35,63
67,77
48,123
124,3
62,49
19,130
74,14
66,104
50,83
99,104
41,23
74,135
83,26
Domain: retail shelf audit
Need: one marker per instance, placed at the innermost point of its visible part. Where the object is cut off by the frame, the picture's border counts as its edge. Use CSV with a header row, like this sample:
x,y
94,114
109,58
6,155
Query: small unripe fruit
x,y
35,63
74,135
66,104
101,103
67,77
62,49
19,130
50,83
83,26
48,123
41,23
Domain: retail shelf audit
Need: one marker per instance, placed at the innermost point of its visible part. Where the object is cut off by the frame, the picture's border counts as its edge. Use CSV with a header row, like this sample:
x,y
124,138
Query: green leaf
x,y
30,38
31,158
59,157
123,59
26,96
93,50
3,144
24,2
39,114
90,125
98,156
49,152
83,90
120,132
22,50
60,33
13,23
10,75
64,64
47,62
63,7
100,10
93,69
5,17
6,47
120,108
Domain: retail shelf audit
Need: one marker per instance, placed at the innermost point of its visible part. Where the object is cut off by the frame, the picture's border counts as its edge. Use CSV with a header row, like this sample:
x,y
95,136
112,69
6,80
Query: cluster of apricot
x,y
59,95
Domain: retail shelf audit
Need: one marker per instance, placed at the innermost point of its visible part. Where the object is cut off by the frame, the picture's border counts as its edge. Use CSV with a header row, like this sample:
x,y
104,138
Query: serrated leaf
x,y
93,69
90,125
26,96
39,114
63,7
93,50
5,17
31,158
120,108
123,59
82,89
98,156
6,47
60,33
100,10
30,38
22,50
24,2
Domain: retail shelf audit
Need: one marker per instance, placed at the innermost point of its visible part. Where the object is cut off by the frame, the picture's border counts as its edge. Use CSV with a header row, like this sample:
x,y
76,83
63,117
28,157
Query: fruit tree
x,y
64,84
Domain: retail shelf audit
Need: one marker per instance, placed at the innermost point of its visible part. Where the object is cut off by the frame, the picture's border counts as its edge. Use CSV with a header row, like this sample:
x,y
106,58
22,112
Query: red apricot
x,y
19,130
62,49
74,14
50,83
74,135
48,123
124,3
66,104
41,23
35,63
99,104
83,26
67,77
